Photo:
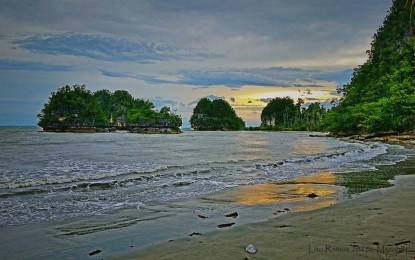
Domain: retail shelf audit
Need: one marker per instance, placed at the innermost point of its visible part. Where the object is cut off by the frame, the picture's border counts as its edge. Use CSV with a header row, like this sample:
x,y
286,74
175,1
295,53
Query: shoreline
x,y
375,224
123,234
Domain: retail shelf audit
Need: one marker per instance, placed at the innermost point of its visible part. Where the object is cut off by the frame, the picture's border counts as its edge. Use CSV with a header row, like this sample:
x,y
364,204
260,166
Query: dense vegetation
x,y
78,107
283,114
215,115
381,94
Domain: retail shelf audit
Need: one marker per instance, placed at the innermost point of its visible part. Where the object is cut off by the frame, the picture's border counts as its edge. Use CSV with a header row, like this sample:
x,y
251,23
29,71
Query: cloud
x,y
340,76
229,78
265,100
268,77
8,64
235,78
109,48
210,97
160,102
302,85
149,79
214,97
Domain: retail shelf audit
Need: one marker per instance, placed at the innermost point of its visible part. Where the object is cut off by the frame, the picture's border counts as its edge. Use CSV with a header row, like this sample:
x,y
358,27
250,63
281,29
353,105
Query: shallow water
x,y
58,176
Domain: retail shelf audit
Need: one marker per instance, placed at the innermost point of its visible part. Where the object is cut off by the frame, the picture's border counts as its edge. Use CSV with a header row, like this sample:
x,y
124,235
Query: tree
x,y
381,92
215,115
279,111
71,106
77,107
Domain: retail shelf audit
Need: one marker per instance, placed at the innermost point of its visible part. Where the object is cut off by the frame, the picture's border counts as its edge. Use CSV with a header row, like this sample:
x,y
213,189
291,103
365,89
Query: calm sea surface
x,y
55,176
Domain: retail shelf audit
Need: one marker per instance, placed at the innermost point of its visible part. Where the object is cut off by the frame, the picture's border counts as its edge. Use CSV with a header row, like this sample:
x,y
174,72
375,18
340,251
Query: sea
x,y
57,176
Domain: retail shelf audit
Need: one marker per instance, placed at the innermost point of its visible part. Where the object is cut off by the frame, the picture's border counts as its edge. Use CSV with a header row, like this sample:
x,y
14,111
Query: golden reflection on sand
x,y
272,193
315,205
323,177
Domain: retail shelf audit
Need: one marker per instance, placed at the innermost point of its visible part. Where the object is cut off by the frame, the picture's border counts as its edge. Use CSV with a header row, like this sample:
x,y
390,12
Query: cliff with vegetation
x,y
76,109
215,115
381,94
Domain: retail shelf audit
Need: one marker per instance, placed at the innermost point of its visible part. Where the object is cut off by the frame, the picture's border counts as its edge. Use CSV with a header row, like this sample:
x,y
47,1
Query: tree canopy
x,y
381,94
78,107
215,115
283,114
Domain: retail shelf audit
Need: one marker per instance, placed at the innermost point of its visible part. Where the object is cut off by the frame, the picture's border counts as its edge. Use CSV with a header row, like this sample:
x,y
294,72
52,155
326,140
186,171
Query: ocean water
x,y
57,176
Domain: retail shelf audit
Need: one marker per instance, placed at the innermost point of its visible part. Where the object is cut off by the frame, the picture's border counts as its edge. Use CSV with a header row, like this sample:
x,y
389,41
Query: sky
x,y
174,52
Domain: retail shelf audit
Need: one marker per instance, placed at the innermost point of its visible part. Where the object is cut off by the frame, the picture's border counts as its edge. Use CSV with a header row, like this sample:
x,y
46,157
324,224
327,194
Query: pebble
x,y
250,249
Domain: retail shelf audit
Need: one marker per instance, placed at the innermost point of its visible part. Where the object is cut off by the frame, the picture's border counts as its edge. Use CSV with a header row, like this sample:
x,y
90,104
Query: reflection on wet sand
x,y
293,192
323,177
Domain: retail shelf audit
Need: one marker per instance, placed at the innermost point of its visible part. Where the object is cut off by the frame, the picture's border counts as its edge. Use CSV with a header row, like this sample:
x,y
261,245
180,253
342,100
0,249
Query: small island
x,y
216,115
281,114
76,109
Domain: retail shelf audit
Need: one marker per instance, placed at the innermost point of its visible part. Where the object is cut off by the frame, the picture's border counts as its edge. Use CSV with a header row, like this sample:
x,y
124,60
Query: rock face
x,y
250,249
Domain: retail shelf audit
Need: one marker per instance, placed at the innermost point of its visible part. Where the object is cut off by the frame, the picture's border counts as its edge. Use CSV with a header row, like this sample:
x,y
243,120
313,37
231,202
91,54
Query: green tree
x,y
279,111
215,115
381,92
72,106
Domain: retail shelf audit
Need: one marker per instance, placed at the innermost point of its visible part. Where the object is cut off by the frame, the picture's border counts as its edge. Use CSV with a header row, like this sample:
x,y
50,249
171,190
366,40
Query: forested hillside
x,y
381,94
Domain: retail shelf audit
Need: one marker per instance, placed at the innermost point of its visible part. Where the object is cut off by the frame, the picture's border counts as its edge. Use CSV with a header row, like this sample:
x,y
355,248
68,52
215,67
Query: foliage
x,y
77,107
381,94
215,115
283,114
72,106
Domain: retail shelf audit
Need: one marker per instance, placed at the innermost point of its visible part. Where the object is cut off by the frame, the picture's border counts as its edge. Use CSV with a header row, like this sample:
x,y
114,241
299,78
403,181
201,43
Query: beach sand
x,y
379,224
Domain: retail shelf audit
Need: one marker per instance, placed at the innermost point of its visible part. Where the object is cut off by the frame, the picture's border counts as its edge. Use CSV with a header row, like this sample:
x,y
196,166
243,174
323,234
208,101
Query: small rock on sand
x,y
95,252
312,195
250,249
232,215
226,225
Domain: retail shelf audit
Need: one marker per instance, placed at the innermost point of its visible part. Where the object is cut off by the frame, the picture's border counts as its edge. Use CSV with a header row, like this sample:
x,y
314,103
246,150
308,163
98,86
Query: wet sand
x,y
378,224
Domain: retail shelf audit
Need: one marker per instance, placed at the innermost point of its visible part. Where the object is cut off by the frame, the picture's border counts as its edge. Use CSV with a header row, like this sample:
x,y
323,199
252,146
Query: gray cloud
x,y
8,64
149,79
236,78
108,48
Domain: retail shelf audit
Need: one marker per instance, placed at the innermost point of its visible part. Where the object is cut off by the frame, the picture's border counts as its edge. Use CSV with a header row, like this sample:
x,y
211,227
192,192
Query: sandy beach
x,y
378,224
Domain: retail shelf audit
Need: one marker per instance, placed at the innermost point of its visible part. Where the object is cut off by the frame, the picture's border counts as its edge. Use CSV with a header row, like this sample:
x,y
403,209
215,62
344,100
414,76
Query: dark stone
x,y
232,215
402,242
312,195
95,252
226,225
195,234
201,216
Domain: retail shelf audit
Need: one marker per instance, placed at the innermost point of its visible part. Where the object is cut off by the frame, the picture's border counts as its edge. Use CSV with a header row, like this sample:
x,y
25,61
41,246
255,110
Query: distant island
x,y
281,114
76,109
215,115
